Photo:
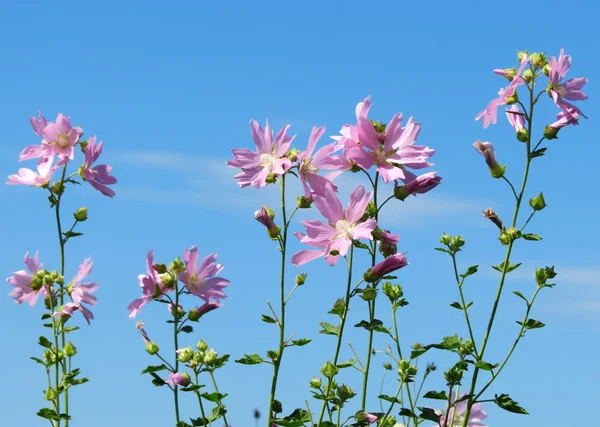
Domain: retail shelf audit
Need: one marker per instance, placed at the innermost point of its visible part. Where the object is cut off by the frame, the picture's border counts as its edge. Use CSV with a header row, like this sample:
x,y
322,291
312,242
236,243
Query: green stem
x,y
212,377
371,303
399,349
460,282
506,264
277,362
199,397
342,325
176,343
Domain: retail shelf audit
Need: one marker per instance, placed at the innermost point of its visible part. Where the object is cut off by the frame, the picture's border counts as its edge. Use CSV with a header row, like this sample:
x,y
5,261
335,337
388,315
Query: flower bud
x,y
151,347
81,214
160,268
69,349
387,366
210,357
344,392
491,215
265,218
486,149
538,60
185,354
522,135
50,394
528,75
508,235
391,263
406,370
538,203
521,54
445,239
365,417
177,266
202,346
315,383
196,313
271,178
547,70
300,279
508,73
551,132
329,370
393,292
292,154
303,202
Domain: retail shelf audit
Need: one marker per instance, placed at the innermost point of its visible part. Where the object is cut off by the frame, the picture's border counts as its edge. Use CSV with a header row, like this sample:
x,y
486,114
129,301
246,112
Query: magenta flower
x,y
344,225
175,379
98,176
40,179
268,160
57,138
323,159
418,185
456,414
571,89
389,264
490,114
517,121
152,287
22,281
200,281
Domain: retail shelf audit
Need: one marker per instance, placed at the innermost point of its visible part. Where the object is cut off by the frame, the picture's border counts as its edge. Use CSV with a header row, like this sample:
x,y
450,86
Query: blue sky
x,y
170,89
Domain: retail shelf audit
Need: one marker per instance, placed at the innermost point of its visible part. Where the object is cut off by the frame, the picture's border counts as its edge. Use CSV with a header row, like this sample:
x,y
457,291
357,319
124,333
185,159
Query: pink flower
x,y
269,158
264,217
418,185
389,147
456,415
22,281
490,114
486,149
58,138
391,263
198,312
82,292
41,179
370,418
178,379
344,225
152,287
323,159
200,281
571,89
98,176
517,121
365,417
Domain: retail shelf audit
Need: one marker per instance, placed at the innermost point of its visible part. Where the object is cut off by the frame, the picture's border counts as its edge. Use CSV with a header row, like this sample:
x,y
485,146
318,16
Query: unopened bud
x,y
315,383
528,75
185,354
210,357
329,370
50,394
551,132
292,154
81,214
522,135
300,279
538,203
271,178
547,70
177,266
69,349
521,54
538,60
151,348
303,202
202,346
492,216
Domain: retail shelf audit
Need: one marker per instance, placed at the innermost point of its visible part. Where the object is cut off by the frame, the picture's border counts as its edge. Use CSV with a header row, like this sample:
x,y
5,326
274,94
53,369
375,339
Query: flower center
x,y
560,89
196,282
344,228
267,159
63,140
309,167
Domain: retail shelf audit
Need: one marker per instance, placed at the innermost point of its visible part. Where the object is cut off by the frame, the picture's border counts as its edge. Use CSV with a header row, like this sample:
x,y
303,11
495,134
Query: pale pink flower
x,y
265,219
200,281
269,157
571,89
344,226
456,414
57,138
486,149
388,265
569,115
22,280
42,178
82,292
370,418
152,287
98,176
175,379
490,114
323,159
418,185
517,121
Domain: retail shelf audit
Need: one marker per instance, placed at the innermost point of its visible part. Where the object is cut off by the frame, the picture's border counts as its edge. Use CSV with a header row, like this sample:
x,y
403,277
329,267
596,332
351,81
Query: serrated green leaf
x,y
391,399
511,267
296,419
439,395
449,343
375,325
531,236
214,397
470,271
346,364
338,307
192,387
151,369
188,329
44,342
182,424
429,415
505,402
250,359
301,342
485,366
197,422
268,319
405,412
329,329
532,324
40,361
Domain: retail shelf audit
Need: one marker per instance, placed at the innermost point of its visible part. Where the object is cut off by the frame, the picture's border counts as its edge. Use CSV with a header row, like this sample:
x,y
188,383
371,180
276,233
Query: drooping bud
x,y
385,267
491,215
196,313
486,149
81,214
264,217
303,202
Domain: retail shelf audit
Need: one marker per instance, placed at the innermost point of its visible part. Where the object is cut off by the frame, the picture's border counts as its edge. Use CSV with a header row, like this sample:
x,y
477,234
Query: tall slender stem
x,y
342,325
471,400
199,397
282,301
459,283
399,349
176,343
212,377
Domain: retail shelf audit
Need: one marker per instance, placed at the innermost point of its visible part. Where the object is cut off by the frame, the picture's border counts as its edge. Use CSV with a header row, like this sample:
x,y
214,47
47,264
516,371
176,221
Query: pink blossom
x,y
98,176
198,312
418,185
323,159
200,281
269,157
82,292
389,264
486,149
517,121
152,287
57,138
490,114
456,414
571,89
370,418
40,179
264,217
22,281
344,225
175,379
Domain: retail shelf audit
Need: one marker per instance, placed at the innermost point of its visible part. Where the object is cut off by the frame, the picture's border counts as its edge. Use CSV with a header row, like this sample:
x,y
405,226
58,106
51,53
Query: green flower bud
x,y
210,357
270,212
329,370
303,203
292,154
202,346
177,266
160,268
379,127
510,73
151,347
508,235
198,357
528,75
400,192
344,392
522,135
81,214
300,279
387,366
547,70
371,210
538,60
551,132
393,292
538,203
315,383
271,178
51,394
521,54
445,239
406,371
513,99
185,354
69,349
354,168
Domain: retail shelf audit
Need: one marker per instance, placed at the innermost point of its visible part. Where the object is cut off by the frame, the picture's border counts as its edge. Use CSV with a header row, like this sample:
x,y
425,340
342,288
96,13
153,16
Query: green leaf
x,y
538,153
520,295
151,369
442,250
296,419
376,325
359,244
250,359
391,399
214,397
439,395
51,414
531,236
346,364
44,342
301,342
405,412
470,271
338,308
268,319
199,422
69,234
429,415
505,402
485,366
216,413
188,329
46,316
329,329
511,267
40,361
449,343
532,324
192,387
182,424
456,305
67,329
